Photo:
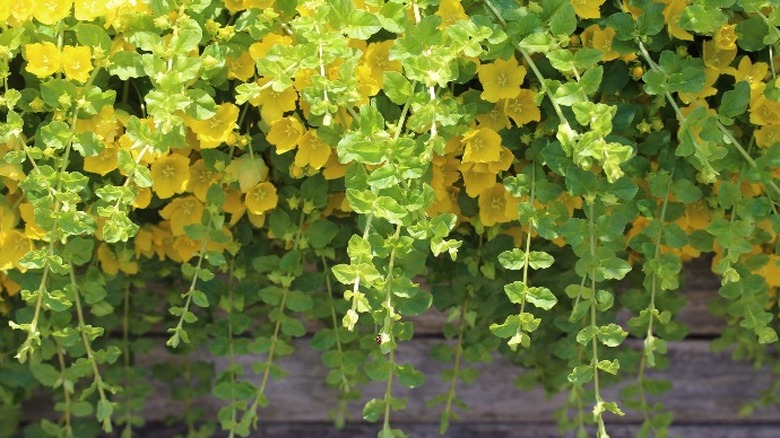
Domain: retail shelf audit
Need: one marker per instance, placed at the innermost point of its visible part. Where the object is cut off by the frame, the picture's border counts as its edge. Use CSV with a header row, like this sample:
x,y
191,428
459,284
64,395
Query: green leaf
x,y
91,35
104,410
397,88
409,376
586,334
187,36
202,105
515,291
373,409
563,60
609,366
508,328
540,260
591,80
563,21
512,259
541,297
686,191
611,335
539,42
45,373
701,19
581,375
735,102
200,299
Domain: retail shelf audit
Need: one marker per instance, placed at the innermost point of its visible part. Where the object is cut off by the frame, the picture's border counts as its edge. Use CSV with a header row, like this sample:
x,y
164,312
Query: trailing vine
x,y
254,176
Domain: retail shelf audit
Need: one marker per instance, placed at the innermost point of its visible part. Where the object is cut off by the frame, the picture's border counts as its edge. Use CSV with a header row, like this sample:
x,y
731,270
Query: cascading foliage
x,y
235,175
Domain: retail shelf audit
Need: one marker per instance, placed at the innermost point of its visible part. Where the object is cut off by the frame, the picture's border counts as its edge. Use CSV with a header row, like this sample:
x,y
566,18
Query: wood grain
x,y
708,388
485,429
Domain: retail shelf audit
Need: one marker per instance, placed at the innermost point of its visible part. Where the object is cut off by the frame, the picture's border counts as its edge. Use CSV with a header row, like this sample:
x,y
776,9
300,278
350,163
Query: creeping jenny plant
x,y
240,174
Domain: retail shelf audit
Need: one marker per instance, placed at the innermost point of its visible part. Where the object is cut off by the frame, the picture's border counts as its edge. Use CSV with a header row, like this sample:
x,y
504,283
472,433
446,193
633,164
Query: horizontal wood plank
x,y
471,430
708,388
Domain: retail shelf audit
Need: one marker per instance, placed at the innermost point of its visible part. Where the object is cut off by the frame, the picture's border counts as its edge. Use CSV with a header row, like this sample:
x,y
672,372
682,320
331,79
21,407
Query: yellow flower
x,y
587,8
261,198
77,62
19,11
476,178
501,79
764,111
451,11
696,217
186,248
482,146
496,206
13,246
274,103
31,228
88,10
377,58
102,163
496,119
43,59
770,271
522,109
108,262
259,4
754,74
768,135
672,13
241,68
170,175
259,49
367,82
719,59
181,212
52,11
726,37
214,131
596,37
201,178
8,219
333,168
234,5
503,163
312,151
11,287
143,242
234,206
285,133
247,170
106,124
143,196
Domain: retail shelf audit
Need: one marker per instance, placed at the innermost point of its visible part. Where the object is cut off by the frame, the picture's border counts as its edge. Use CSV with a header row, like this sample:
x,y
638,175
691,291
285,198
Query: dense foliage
x,y
241,172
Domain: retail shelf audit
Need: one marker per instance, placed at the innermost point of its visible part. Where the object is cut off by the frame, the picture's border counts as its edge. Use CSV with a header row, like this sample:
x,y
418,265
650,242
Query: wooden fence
x,y
709,389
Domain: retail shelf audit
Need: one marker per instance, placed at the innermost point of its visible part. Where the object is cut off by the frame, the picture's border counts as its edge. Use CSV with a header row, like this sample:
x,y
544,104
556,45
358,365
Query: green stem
x,y
456,365
593,319
173,341
388,327
231,351
98,380
126,359
68,411
277,327
345,387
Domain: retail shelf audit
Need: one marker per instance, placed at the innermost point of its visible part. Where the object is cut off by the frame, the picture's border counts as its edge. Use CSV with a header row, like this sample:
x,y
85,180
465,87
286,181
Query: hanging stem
x,y
98,380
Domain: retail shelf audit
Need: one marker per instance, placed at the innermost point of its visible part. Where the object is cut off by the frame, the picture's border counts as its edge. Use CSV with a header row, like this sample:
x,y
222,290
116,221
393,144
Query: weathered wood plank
x,y
708,388
471,430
